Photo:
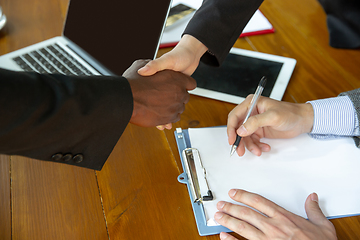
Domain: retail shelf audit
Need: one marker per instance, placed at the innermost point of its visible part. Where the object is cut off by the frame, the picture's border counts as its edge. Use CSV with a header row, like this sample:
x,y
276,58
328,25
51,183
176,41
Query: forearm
x,y
43,115
218,24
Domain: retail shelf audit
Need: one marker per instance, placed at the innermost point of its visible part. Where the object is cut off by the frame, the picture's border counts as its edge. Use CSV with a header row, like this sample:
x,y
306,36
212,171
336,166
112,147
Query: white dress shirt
x,y
334,118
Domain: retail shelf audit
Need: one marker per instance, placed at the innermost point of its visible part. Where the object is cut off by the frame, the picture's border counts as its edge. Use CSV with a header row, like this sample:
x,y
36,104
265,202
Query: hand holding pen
x,y
270,119
253,102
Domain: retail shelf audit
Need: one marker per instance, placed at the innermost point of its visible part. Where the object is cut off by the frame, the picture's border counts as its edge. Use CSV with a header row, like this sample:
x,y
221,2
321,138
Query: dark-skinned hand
x,y
160,98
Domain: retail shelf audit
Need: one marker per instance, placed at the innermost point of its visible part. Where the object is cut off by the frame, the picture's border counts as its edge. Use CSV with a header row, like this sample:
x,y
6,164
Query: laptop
x,y
99,38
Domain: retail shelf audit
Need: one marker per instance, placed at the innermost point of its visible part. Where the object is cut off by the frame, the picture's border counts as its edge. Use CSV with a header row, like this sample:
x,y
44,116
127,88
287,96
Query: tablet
x,y
240,74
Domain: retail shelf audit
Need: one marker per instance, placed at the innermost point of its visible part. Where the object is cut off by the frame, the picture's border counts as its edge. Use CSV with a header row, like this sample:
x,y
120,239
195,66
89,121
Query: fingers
x,y
137,65
155,66
240,219
158,99
235,119
276,223
255,122
240,150
313,210
190,84
265,206
184,58
184,81
254,145
269,219
255,201
140,63
240,227
163,127
224,235
160,127
231,132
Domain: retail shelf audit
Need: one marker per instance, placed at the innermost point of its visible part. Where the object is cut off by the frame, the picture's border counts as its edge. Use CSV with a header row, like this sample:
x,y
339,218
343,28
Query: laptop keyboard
x,y
51,59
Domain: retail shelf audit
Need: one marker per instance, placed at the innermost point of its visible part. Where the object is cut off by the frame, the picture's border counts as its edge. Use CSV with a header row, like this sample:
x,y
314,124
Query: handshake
x,y
158,99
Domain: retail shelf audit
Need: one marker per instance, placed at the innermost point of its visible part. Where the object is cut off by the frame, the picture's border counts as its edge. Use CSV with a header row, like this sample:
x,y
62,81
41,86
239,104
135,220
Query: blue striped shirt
x,y
334,118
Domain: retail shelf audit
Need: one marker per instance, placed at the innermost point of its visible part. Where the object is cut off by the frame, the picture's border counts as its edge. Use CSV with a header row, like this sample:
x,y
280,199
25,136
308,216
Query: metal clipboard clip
x,y
196,173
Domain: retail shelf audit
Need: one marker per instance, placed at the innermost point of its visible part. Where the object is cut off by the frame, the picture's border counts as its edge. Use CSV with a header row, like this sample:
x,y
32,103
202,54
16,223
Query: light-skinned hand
x,y
185,58
276,223
158,99
270,119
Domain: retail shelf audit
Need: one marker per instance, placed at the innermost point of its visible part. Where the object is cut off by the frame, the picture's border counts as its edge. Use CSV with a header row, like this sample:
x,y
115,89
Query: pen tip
x,y
233,148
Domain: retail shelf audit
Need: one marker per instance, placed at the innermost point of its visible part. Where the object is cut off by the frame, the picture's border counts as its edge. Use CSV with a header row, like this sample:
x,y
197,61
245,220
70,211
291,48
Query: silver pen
x,y
253,102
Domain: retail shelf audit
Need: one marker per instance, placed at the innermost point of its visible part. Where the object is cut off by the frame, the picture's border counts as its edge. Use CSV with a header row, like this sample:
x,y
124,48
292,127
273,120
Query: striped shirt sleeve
x,y
334,118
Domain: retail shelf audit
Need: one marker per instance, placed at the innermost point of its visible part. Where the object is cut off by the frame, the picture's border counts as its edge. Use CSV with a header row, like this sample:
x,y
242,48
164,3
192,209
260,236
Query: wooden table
x,y
136,195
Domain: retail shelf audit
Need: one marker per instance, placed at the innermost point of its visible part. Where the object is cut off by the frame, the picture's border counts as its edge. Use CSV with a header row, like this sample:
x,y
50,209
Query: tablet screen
x,y
238,75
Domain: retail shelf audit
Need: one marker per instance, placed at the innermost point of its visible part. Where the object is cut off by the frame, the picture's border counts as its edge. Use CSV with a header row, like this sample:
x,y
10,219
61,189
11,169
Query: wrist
x,y
308,117
193,44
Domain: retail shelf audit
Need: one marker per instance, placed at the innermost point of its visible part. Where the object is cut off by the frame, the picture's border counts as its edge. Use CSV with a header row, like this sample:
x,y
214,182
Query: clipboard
x,y
183,143
333,175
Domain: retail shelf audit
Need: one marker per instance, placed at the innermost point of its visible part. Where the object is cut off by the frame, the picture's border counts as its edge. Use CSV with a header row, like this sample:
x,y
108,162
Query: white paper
x,y
172,34
293,169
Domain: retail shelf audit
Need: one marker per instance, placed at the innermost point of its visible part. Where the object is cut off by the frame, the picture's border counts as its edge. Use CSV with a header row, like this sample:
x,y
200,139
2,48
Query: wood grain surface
x,y
137,195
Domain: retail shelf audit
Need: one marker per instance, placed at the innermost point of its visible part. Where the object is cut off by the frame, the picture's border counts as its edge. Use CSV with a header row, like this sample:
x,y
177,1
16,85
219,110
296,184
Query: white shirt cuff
x,y
334,116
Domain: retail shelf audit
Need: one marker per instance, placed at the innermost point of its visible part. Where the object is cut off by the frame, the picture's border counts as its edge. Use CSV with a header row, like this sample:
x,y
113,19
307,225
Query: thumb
x,y
155,66
191,83
313,210
254,123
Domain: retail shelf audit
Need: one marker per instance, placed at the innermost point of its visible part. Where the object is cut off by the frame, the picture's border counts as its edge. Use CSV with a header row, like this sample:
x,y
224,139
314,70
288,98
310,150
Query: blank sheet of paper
x,y
293,169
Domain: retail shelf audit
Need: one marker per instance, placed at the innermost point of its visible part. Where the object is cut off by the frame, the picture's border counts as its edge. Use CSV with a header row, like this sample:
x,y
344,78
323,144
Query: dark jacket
x,y
74,120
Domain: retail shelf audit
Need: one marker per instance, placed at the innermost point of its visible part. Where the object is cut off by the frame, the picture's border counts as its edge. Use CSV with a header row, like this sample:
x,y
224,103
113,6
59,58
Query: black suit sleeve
x,y
74,120
343,22
218,24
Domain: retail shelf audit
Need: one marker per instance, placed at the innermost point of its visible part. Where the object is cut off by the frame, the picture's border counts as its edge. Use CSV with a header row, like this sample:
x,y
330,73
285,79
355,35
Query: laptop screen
x,y
116,32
